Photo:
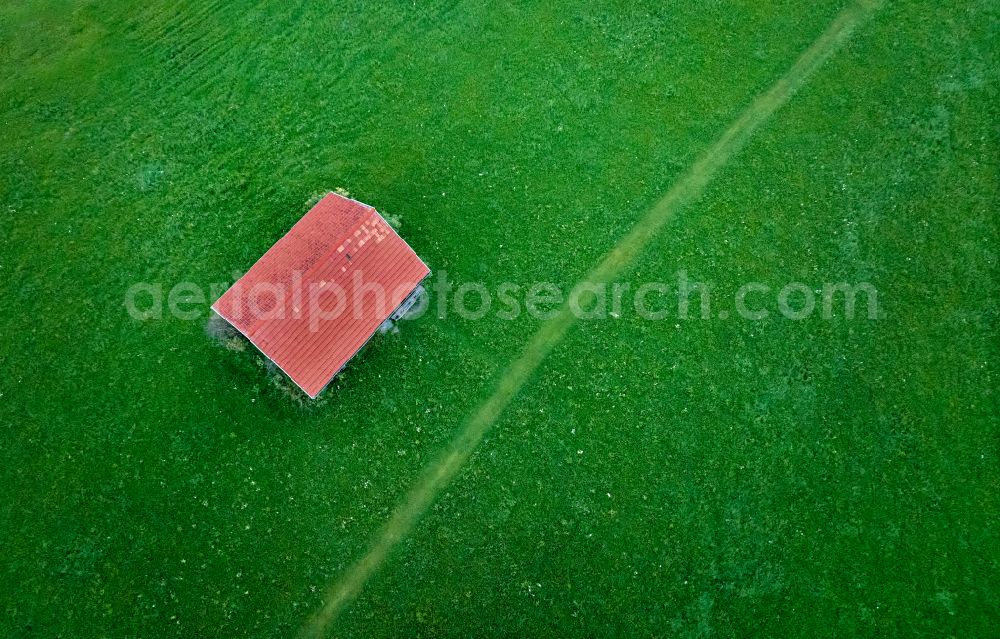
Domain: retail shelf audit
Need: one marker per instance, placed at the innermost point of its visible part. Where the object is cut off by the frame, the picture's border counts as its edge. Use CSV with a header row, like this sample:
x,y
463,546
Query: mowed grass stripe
x,y
690,186
170,20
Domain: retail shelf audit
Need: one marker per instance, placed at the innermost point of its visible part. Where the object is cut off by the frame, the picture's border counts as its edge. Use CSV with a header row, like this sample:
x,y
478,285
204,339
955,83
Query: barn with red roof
x,y
313,300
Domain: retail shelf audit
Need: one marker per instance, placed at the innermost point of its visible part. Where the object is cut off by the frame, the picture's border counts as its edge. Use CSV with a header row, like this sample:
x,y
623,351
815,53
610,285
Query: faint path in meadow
x,y
687,189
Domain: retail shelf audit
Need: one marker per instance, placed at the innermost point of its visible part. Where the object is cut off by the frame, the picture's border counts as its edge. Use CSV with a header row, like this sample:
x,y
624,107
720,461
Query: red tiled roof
x,y
312,301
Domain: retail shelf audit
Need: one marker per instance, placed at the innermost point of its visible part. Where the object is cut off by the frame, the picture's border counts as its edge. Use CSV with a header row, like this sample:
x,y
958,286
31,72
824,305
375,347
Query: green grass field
x,y
721,477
